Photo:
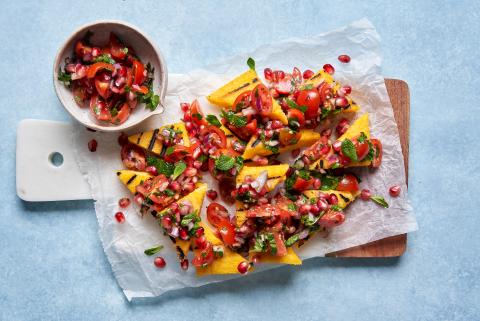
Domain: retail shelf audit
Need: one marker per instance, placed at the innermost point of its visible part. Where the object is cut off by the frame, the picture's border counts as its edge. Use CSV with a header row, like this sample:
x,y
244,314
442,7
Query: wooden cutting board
x,y
396,245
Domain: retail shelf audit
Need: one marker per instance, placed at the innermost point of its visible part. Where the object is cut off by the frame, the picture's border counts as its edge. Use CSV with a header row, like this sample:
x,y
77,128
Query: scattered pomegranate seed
x,y
345,90
333,199
167,222
184,107
243,267
365,194
152,170
184,264
341,102
337,146
316,183
212,194
344,58
307,74
305,208
394,190
124,202
90,130
278,75
92,145
199,232
201,242
159,262
322,204
120,217
315,209
183,234
295,152
123,139
342,126
329,69
138,199
268,73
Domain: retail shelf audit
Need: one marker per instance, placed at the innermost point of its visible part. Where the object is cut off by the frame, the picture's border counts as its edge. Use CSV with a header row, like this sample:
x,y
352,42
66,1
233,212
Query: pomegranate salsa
x,y
110,79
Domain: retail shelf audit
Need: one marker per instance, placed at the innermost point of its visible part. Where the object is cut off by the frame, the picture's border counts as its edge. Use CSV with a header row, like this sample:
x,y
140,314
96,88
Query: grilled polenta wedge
x,y
148,140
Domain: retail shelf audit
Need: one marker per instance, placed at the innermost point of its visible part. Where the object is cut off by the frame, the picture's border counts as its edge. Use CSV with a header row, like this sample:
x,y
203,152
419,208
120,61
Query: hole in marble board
x,y
56,159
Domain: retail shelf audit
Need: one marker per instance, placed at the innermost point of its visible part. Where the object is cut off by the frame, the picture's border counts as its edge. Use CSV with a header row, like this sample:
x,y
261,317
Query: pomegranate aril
x,y
268,73
342,126
159,262
322,204
341,102
243,267
183,234
337,146
394,190
184,264
344,59
278,75
317,183
184,107
365,194
333,199
212,194
199,232
307,74
167,222
345,90
124,202
329,69
120,217
201,242
305,208
123,139
92,145
151,170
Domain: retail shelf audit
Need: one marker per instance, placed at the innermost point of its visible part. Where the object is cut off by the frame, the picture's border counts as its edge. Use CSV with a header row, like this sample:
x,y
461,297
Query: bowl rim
x,y
163,76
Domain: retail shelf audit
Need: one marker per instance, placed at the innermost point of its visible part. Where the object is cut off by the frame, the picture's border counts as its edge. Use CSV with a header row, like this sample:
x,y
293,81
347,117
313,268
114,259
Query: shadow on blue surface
x,y
57,206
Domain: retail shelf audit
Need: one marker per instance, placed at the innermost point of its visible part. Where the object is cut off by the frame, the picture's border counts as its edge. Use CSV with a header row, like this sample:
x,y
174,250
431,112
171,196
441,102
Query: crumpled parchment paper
x,y
124,243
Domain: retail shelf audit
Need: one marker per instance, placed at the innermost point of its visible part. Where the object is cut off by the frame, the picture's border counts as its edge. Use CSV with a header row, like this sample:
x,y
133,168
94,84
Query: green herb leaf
x,y
104,58
235,120
180,167
292,240
362,137
162,166
292,207
307,87
379,200
329,182
348,149
224,162
336,208
294,105
213,120
304,174
239,163
251,63
170,150
64,77
153,250
272,243
325,113
192,217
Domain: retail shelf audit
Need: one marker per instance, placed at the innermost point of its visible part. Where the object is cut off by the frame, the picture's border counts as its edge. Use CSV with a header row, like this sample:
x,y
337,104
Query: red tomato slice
x,y
362,149
310,99
301,184
324,90
81,49
263,211
262,100
242,101
227,232
348,183
96,67
220,140
133,157
179,152
99,109
216,214
331,218
377,158
296,114
138,72
117,49
244,133
103,88
204,257
196,110
281,248
122,115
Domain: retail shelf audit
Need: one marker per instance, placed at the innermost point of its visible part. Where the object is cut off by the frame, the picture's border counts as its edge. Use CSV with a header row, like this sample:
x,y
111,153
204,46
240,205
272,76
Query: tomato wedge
x,y
103,87
133,157
331,218
301,184
117,49
138,72
311,100
295,114
122,115
197,114
242,101
220,141
96,67
348,183
377,158
362,149
262,100
81,49
324,90
204,257
179,152
216,214
227,232
99,109
281,248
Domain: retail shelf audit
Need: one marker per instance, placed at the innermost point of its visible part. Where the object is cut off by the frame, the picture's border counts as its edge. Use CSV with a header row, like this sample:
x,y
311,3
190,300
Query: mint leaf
x,y
329,182
153,250
379,200
336,208
294,105
64,77
170,150
362,137
180,167
251,63
348,149
235,120
162,166
213,120
104,58
224,162
292,240
292,207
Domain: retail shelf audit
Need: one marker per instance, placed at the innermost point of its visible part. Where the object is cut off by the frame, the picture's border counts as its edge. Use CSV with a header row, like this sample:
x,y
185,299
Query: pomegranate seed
x,y
123,139
175,186
187,118
315,209
316,183
323,195
138,199
307,74
95,51
337,146
341,102
184,264
201,242
295,152
322,204
183,234
184,107
167,222
92,145
344,58
276,124
189,126
332,199
345,90
212,194
190,172
259,160
329,69
305,208
243,267
151,170
394,190
255,260
159,262
268,73
199,232
197,164
365,194
120,217
342,126
124,202
278,75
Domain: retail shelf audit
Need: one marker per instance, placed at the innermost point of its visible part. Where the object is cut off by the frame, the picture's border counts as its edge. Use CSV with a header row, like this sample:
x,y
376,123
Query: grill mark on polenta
x,y
254,80
256,142
153,139
163,150
316,76
346,199
131,179
139,138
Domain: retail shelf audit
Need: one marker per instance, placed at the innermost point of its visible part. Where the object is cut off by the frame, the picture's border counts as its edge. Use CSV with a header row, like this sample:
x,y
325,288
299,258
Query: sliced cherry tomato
x,y
251,127
324,90
331,218
216,214
362,149
227,232
262,100
242,101
296,114
284,85
377,158
138,72
122,114
288,137
279,242
246,132
195,111
301,184
311,100
133,157
262,211
226,186
204,257
348,183
96,67
117,49
79,94
103,87
82,49
129,76
99,109
219,140
179,152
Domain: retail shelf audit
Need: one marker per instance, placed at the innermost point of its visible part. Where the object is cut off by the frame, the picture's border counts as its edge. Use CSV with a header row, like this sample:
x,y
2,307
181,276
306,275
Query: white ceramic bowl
x,y
144,48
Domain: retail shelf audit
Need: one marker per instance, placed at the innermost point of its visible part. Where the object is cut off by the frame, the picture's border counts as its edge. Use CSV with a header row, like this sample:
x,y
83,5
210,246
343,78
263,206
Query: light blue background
x,y
52,265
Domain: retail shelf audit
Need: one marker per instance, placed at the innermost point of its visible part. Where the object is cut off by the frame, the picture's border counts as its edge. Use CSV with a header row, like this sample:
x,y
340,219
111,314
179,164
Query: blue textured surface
x,y
52,263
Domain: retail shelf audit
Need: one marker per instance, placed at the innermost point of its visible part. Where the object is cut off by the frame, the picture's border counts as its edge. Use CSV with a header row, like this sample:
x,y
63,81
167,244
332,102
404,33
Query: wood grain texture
x,y
396,245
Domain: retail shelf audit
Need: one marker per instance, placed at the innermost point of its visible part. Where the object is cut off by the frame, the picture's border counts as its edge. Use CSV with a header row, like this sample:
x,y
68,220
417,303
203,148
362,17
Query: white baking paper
x,y
124,243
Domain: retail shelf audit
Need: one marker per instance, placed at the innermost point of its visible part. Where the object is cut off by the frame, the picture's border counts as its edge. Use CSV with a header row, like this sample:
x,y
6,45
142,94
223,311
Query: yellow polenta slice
x,y
148,140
